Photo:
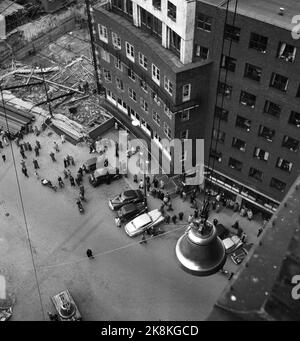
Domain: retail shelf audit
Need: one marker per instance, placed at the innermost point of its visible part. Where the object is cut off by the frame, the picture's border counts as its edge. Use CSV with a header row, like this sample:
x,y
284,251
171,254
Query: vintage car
x,y
104,174
240,254
232,243
126,197
66,307
131,210
144,222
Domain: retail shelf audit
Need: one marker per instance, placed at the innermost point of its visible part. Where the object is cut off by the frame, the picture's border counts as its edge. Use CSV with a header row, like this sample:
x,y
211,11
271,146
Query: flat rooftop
x,y
263,10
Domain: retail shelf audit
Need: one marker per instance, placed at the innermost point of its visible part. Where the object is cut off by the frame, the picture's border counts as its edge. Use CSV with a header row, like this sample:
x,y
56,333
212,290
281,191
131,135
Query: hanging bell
x,y
200,251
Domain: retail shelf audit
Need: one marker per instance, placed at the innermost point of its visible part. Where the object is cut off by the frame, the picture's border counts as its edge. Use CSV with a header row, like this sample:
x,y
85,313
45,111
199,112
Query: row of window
x,y
172,10
143,62
264,132
258,42
256,173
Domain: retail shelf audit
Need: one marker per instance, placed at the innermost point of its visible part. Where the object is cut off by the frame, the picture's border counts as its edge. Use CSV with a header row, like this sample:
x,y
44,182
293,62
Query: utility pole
x,y
100,89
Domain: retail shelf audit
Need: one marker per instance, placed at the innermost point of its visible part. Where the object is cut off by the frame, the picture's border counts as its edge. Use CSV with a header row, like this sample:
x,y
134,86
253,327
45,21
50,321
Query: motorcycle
x,y
49,184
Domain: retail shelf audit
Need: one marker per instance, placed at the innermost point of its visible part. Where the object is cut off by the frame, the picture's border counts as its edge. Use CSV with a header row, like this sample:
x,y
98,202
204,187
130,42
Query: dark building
x,y
164,62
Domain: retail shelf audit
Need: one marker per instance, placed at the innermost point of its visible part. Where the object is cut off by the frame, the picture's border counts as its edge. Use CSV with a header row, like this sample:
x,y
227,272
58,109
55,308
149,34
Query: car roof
x,y
128,208
103,171
142,220
131,193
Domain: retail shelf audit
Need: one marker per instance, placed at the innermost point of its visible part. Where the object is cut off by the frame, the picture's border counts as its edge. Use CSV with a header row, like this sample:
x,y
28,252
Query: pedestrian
x,y
80,171
155,182
259,232
62,137
36,149
1,145
144,240
69,172
161,184
141,184
161,209
22,162
190,218
3,157
169,205
65,162
66,175
81,188
167,219
29,146
23,153
72,160
89,253
52,156
180,215
35,164
174,219
25,146
148,186
183,196
118,222
77,180
60,182
38,144
72,182
24,171
37,175
55,146
135,178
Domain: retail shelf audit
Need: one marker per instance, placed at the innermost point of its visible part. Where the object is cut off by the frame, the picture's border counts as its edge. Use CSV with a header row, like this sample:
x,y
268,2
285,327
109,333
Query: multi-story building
x,y
224,71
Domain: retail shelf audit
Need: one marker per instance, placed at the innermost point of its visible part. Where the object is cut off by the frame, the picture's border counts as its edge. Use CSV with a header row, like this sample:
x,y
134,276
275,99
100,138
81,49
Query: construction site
x,y
54,78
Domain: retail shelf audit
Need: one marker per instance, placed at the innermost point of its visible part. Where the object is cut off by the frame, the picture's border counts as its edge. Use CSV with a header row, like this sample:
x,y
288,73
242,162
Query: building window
x,y
105,55
221,114
261,154
156,117
143,61
132,94
120,84
232,33
155,97
204,22
228,63
255,173
116,40
258,42
175,42
156,4
279,82
184,134
118,4
131,75
224,89
151,24
130,51
129,8
172,11
252,72
155,74
247,99
284,164
235,164
219,135
201,52
277,184
186,92
286,52
216,155
169,86
295,119
185,115
272,109
144,85
243,123
107,75
266,133
239,144
144,105
168,112
167,130
103,33
290,143
118,64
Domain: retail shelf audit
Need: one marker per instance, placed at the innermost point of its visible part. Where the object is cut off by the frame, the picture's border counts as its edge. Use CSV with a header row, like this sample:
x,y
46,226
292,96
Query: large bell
x,y
200,251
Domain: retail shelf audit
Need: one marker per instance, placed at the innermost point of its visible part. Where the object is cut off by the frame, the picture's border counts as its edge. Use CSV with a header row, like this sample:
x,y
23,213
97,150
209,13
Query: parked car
x,y
102,174
126,197
143,222
239,255
131,211
66,307
232,243
95,162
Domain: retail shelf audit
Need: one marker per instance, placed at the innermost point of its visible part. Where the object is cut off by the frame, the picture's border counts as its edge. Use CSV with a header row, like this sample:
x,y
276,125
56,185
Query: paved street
x,y
125,281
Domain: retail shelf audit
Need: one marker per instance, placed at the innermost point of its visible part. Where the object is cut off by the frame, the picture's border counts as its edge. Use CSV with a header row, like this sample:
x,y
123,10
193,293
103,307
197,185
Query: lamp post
x,y
136,123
